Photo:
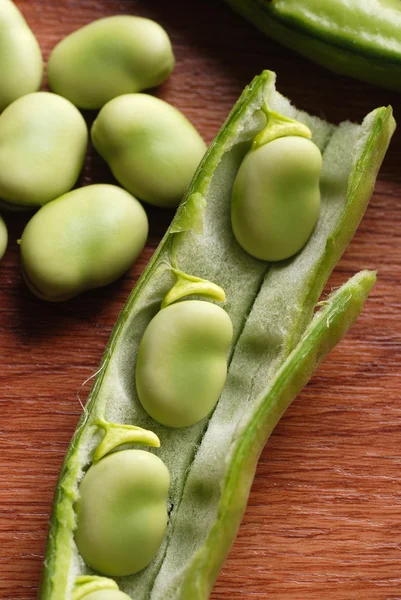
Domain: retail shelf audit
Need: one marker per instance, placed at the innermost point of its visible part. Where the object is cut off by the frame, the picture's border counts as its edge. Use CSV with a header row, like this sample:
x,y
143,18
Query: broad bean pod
x,y
275,347
359,38
21,65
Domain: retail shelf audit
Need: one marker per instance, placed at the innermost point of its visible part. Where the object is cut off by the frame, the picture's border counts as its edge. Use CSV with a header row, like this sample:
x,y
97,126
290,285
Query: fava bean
x,y
122,512
96,588
110,57
152,149
3,238
276,197
182,362
43,140
107,595
21,66
84,239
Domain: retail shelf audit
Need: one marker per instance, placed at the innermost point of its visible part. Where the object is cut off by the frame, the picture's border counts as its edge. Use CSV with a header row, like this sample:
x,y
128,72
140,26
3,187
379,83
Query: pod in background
x,y
43,140
83,240
359,38
21,65
122,512
182,362
150,146
110,57
276,197
3,238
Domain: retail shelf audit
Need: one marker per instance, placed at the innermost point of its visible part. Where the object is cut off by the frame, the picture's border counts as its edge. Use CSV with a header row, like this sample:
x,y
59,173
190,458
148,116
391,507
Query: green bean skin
x,y
3,237
21,64
271,307
122,512
151,148
182,362
83,240
110,57
43,141
276,198
359,38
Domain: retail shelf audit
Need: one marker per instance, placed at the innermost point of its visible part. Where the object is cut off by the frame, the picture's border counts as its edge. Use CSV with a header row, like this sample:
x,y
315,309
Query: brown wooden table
x,y
324,515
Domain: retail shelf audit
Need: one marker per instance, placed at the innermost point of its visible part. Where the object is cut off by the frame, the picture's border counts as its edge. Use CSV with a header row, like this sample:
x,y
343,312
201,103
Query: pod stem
x,y
278,126
189,285
87,584
117,435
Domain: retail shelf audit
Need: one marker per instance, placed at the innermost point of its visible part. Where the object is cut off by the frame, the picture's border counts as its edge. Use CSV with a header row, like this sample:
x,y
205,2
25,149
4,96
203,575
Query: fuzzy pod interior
x,y
270,307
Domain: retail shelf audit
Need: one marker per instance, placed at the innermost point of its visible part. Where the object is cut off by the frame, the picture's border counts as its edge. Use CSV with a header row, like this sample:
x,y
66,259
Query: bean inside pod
x,y
121,510
182,362
93,587
276,196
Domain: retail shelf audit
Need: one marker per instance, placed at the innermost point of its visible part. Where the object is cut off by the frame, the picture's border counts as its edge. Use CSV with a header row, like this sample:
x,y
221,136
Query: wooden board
x,y
324,515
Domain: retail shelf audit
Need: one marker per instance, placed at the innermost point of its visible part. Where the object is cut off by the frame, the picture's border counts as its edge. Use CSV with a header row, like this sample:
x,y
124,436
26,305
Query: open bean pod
x,y
276,345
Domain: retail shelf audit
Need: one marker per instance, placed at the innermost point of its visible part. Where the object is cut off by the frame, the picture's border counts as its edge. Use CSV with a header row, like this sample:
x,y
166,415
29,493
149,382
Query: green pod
x,y
276,345
21,64
182,362
3,238
151,148
110,57
83,240
360,38
43,140
122,512
276,197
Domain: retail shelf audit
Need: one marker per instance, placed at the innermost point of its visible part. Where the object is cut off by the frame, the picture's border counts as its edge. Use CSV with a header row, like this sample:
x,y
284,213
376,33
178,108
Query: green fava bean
x,y
107,595
110,57
3,238
276,197
122,512
21,65
83,240
151,148
182,362
43,140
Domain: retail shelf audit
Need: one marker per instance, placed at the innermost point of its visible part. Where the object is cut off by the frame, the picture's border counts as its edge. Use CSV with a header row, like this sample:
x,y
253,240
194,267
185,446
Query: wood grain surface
x,y
324,515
